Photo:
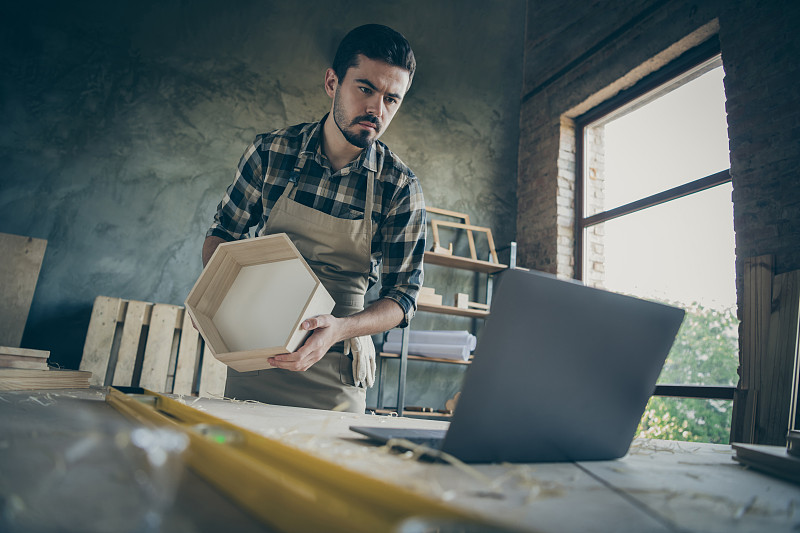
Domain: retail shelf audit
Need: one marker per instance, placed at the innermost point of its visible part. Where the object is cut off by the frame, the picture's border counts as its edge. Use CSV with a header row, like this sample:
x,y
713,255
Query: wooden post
x,y
763,403
776,369
756,304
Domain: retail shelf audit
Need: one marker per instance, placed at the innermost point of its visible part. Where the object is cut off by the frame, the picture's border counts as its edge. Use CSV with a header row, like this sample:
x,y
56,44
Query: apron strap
x,y
369,200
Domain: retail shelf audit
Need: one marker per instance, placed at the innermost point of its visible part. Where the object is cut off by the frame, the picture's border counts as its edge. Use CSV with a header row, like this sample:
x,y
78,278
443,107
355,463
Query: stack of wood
x,y
24,369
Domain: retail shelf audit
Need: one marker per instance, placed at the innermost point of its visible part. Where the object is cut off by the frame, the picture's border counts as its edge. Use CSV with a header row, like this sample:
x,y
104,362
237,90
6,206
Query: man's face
x,y
365,101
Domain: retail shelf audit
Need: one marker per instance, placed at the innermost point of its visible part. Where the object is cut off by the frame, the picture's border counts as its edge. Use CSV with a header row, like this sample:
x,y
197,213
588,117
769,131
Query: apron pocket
x,y
346,370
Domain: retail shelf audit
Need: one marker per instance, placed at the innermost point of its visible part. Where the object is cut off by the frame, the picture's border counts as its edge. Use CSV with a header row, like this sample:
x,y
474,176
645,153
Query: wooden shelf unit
x,y
448,261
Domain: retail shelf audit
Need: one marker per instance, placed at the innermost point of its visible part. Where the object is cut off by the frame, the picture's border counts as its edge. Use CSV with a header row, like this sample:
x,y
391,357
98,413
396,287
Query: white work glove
x,y
363,359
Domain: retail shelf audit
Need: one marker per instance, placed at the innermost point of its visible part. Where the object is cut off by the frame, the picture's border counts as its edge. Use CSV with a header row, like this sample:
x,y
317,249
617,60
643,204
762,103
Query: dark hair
x,y
377,42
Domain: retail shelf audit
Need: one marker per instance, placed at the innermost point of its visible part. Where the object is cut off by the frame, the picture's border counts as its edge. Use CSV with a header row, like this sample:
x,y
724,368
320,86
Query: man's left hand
x,y
325,334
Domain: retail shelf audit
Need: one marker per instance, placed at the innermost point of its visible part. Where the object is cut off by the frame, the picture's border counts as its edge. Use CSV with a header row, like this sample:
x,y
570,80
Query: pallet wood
x,y
100,338
213,375
135,317
20,263
141,344
188,357
164,322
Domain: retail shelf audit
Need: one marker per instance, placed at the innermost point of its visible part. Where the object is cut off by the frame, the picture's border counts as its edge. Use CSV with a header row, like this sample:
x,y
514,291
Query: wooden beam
x,y
754,331
775,368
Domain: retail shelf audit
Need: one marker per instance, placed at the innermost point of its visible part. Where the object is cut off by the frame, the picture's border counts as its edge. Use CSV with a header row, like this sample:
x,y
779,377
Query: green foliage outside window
x,y
705,353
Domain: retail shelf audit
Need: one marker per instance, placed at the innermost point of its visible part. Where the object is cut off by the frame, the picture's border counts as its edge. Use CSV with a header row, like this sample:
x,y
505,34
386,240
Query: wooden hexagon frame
x,y
251,298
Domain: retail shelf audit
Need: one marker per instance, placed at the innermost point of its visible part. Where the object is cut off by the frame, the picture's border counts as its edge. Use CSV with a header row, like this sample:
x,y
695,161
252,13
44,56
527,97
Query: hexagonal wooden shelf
x,y
251,298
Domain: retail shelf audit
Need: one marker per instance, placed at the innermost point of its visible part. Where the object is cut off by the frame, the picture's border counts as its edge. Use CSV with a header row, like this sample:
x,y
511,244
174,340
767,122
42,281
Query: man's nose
x,y
375,106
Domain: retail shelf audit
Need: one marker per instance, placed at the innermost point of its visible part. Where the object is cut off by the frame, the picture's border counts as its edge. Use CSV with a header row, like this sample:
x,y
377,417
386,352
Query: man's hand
x,y
327,332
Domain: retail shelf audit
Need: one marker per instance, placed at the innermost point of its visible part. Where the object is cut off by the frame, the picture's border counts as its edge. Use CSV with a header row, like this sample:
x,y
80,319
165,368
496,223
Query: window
x,y
655,220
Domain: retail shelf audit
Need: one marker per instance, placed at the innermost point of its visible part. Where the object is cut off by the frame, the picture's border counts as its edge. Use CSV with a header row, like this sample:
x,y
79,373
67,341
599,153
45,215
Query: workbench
x,y
65,463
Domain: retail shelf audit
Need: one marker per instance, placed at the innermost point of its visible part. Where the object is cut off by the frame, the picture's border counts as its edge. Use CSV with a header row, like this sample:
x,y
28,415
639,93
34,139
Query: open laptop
x,y
562,372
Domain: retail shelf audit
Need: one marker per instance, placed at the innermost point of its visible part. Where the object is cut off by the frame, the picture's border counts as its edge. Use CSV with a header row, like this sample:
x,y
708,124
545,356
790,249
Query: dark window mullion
x,y
708,392
686,189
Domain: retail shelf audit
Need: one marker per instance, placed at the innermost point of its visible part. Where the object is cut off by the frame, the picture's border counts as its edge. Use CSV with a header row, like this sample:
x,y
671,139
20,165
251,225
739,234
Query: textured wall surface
x,y
617,48
576,57
122,123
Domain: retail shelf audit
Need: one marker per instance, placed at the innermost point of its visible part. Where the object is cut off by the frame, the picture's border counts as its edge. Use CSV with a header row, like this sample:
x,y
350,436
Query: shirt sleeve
x,y
241,206
403,234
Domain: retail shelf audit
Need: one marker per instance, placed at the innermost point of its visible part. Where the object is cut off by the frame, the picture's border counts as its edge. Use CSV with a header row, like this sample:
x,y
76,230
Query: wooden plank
x,y
188,357
24,352
212,376
450,310
129,346
20,263
19,379
20,361
100,338
756,310
464,263
158,350
390,355
173,357
777,363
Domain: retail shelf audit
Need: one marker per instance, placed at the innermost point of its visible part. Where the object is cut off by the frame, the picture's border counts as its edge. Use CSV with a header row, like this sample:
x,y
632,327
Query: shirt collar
x,y
369,159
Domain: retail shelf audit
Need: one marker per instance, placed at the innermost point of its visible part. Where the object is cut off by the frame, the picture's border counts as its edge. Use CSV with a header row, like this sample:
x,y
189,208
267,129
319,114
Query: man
x,y
348,204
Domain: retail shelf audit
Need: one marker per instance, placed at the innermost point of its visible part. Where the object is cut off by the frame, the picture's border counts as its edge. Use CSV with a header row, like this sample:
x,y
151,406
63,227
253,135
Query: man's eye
x,y
391,100
366,90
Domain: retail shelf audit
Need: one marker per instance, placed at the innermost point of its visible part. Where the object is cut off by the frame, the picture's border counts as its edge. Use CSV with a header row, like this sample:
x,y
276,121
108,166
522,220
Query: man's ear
x,y
331,81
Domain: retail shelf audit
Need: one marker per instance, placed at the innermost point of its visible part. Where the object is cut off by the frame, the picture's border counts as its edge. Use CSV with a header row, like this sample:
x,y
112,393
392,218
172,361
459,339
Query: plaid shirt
x,y
398,211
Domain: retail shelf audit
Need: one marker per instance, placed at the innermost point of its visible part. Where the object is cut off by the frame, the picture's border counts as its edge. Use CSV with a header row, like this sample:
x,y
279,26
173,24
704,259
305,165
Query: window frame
x,y
688,61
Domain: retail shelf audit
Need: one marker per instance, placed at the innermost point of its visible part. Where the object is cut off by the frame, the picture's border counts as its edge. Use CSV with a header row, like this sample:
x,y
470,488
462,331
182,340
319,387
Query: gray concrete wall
x,y
122,123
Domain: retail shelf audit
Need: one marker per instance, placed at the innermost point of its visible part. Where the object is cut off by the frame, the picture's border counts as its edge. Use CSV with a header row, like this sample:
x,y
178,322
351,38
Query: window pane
x,y
680,252
646,148
686,419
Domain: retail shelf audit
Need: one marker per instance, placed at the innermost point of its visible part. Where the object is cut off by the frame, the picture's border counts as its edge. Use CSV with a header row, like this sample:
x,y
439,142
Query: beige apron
x,y
338,251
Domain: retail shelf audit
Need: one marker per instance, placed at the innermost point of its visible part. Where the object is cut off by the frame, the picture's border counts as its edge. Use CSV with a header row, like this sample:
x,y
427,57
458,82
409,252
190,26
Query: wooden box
x,y
251,298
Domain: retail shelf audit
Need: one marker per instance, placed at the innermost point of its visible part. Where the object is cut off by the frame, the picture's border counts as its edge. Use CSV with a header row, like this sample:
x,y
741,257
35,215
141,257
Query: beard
x,y
357,137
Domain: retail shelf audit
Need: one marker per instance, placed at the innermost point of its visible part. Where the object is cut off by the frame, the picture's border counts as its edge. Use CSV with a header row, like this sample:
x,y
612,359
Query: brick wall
x,y
760,51
580,54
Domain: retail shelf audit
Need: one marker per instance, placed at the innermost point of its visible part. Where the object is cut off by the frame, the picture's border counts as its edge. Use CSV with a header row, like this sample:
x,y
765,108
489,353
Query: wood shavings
x,y
525,479
417,451
743,510
34,399
341,407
